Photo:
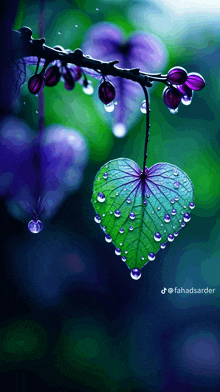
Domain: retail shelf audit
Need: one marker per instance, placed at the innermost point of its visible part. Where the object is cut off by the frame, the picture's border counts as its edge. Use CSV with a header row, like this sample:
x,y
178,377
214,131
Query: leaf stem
x,y
147,126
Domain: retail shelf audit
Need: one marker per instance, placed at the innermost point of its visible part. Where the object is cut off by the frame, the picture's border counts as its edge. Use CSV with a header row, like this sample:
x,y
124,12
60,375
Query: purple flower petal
x,y
171,97
195,81
33,60
105,42
177,75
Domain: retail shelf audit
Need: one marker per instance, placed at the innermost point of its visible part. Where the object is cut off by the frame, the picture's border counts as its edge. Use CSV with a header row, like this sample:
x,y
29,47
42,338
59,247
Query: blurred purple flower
x,y
142,50
31,167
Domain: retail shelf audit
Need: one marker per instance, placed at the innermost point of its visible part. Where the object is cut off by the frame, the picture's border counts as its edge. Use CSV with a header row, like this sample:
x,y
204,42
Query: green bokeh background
x,y
189,140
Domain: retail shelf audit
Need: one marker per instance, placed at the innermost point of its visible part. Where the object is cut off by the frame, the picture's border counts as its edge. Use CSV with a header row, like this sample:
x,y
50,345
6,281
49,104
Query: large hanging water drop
x,y
157,237
135,274
166,218
143,107
97,218
132,215
117,213
101,197
186,217
35,226
108,238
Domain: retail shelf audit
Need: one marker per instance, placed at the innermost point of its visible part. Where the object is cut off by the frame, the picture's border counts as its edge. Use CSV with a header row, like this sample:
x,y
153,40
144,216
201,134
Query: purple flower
x,y
106,42
33,167
195,81
177,75
171,97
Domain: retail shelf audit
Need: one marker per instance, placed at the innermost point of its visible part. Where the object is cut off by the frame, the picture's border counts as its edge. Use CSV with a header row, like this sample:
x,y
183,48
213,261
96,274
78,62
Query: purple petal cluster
x,y
181,87
48,167
106,42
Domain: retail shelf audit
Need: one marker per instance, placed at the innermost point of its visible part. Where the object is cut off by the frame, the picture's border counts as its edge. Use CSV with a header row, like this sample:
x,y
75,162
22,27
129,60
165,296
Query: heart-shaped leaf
x,y
141,212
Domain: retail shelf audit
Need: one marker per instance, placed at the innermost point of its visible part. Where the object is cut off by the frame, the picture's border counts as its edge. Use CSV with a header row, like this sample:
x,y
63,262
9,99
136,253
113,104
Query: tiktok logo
x,y
164,290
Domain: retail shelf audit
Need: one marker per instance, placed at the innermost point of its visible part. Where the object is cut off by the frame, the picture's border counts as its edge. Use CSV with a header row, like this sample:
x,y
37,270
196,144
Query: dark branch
x,y
24,46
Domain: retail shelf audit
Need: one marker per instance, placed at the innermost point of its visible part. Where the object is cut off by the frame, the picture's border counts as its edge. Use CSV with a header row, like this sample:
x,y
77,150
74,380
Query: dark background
x,y
72,318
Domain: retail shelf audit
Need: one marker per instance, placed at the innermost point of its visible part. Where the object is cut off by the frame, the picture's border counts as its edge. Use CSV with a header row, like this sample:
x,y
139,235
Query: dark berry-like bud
x,y
171,97
69,78
78,73
177,75
106,92
52,76
195,81
36,84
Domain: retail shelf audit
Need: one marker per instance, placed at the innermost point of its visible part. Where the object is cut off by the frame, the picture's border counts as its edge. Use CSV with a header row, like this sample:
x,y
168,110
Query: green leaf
x,y
125,198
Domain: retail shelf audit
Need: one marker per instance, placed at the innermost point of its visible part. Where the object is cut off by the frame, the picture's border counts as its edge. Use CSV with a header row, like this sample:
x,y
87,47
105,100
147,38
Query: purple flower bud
x,y
195,81
106,92
36,84
177,75
171,97
78,73
69,77
52,76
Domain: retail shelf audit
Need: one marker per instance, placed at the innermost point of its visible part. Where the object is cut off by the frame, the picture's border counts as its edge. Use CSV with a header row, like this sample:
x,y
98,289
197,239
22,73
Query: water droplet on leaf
x,y
101,197
176,233
166,218
143,107
135,274
170,237
123,258
186,217
163,246
176,184
97,218
105,176
173,212
131,228
128,200
175,172
157,237
108,238
132,215
117,213
191,205
117,251
151,256
121,230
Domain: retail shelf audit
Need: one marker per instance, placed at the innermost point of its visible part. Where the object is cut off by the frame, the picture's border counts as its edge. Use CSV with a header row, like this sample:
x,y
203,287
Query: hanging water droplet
x,y
123,258
35,226
126,252
128,200
176,184
175,172
173,212
173,111
186,217
132,215
176,233
105,176
172,201
145,202
97,218
143,108
117,213
117,251
176,198
157,237
191,205
158,208
170,237
166,218
163,246
151,256
131,228
109,107
121,230
183,224
101,197
88,89
135,274
108,238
